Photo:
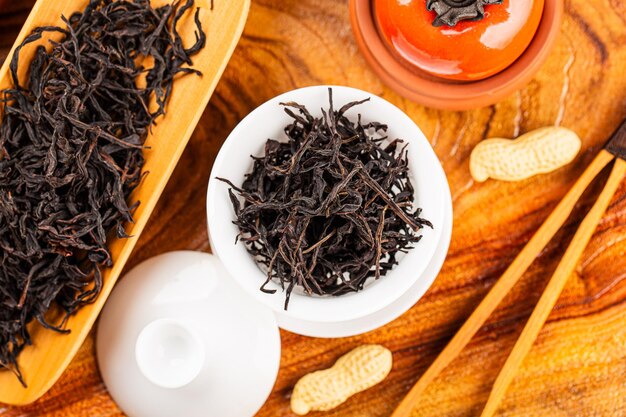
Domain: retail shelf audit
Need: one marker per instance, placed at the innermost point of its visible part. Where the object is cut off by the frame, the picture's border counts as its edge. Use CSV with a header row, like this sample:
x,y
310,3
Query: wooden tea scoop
x,y
44,362
616,147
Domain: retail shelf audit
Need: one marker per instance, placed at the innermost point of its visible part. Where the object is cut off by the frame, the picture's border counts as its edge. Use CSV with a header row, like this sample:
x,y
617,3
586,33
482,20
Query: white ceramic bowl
x,y
268,121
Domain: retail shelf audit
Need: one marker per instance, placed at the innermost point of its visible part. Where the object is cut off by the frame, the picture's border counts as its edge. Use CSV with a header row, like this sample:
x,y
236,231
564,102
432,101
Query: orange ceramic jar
x,y
469,50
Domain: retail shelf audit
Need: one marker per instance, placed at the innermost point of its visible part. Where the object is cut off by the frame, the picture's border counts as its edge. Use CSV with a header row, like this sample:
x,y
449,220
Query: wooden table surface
x,y
577,367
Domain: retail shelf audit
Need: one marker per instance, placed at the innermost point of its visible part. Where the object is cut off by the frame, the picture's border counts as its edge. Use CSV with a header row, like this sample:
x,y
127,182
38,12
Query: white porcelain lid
x,y
178,338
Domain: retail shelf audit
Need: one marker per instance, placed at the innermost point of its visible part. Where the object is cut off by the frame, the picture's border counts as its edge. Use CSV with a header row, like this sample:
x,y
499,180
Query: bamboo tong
x,y
614,149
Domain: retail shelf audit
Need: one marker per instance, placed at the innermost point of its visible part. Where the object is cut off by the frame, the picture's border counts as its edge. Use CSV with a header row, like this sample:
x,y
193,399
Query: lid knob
x,y
450,12
169,353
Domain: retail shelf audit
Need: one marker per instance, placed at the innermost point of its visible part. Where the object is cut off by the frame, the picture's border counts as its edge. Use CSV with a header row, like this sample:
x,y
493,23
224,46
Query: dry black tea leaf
x,y
71,152
331,207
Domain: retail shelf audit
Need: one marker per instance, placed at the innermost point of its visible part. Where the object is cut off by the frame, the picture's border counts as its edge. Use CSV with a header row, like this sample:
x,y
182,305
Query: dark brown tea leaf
x,y
331,207
71,143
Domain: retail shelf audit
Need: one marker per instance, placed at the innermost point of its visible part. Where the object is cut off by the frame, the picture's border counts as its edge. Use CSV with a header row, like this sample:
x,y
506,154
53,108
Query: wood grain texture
x,y
577,367
502,287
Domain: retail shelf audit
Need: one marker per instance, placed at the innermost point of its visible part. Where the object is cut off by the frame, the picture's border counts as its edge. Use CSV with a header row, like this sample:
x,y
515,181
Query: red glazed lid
x,y
481,39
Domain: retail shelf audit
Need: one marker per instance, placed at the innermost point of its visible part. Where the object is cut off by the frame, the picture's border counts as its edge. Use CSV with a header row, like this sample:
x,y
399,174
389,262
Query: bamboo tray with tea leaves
x,y
42,363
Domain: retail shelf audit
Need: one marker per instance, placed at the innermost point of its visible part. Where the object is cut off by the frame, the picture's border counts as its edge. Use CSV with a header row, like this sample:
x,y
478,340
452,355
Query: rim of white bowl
x,y
248,138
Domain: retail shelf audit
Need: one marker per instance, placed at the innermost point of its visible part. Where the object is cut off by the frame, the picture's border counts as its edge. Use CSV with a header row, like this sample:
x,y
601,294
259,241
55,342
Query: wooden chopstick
x,y
502,287
553,290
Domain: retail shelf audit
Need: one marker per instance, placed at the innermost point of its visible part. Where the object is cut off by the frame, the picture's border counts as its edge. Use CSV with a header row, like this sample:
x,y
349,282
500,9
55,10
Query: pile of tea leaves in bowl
x,y
331,207
71,152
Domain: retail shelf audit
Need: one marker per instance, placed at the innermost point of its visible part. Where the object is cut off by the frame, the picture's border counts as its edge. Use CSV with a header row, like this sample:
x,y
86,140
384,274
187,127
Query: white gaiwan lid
x,y
178,338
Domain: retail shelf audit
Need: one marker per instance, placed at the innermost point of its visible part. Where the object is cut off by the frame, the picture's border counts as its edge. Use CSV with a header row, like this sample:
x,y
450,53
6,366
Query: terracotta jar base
x,y
445,94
